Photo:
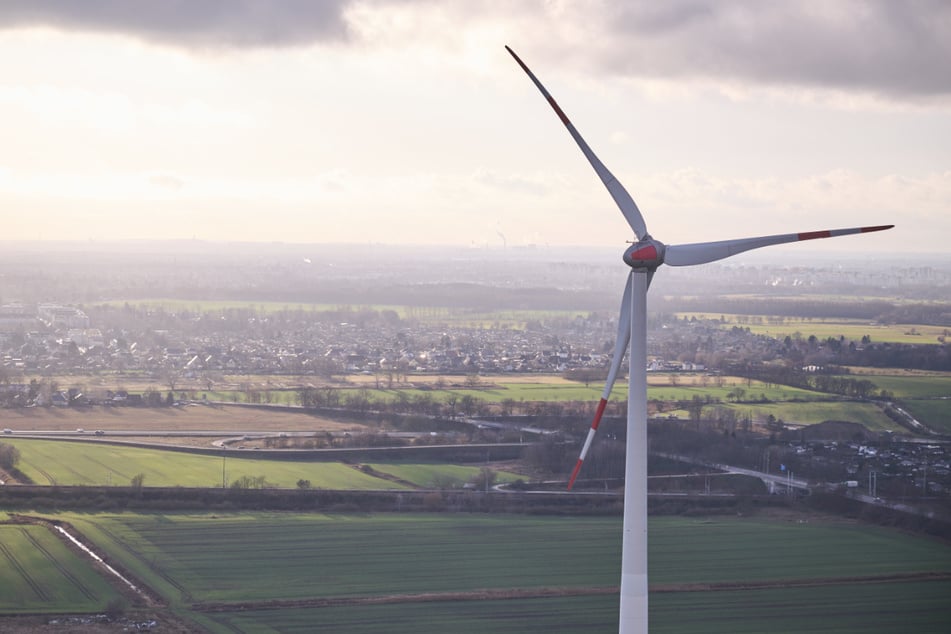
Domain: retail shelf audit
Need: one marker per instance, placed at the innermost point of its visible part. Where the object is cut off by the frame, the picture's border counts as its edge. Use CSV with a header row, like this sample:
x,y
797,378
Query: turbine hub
x,y
645,254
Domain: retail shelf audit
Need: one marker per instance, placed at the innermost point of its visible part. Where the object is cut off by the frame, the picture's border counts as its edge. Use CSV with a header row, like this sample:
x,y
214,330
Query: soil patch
x,y
156,419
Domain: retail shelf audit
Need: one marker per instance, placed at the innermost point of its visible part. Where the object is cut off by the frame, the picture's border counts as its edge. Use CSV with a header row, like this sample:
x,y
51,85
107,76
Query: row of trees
x,y
830,379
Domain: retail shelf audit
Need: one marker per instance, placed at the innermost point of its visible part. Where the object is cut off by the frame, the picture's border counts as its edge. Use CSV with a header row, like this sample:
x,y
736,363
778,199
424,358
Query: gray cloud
x,y
898,48
190,23
880,46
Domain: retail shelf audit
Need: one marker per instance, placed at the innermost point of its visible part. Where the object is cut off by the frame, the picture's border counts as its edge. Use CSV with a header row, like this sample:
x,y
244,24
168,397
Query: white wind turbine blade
x,y
623,199
703,252
620,347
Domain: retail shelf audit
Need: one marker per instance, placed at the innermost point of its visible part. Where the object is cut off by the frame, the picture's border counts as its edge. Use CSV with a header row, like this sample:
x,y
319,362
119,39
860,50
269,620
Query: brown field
x,y
869,371
97,385
225,418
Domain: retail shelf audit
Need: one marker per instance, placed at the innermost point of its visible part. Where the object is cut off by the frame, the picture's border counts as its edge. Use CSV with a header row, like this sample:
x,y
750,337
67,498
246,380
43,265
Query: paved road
x,y
783,480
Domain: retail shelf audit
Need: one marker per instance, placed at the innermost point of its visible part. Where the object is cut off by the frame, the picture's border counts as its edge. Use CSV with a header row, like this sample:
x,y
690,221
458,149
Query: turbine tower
x,y
643,257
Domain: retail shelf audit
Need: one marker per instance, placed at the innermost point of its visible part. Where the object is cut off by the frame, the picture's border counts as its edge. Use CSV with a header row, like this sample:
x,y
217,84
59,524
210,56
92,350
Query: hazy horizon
x,y
789,254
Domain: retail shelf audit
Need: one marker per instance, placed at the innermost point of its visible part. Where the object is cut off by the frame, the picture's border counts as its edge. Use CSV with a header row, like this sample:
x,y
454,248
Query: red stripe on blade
x,y
812,235
878,228
574,474
598,413
561,115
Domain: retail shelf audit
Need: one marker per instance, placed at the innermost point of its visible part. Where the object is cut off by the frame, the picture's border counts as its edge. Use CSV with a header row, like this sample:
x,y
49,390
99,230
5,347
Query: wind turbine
x,y
643,257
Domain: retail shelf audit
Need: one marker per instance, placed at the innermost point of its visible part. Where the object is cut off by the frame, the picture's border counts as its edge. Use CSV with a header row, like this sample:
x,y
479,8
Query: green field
x,y
759,550
436,475
867,414
842,609
39,574
551,389
926,396
936,414
252,557
523,616
95,464
87,463
851,329
847,609
753,389
308,555
911,386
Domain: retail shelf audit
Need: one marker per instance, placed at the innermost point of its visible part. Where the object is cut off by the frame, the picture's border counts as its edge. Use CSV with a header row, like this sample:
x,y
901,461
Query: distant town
x,y
78,329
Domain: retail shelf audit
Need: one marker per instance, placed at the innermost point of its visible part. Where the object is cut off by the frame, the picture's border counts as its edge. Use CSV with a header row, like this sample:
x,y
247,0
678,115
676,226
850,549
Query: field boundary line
x,y
546,593
424,597
726,586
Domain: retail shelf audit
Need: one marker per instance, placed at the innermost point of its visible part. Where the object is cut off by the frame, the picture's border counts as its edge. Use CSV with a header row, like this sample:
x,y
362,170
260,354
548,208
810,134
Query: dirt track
x,y
427,597
537,593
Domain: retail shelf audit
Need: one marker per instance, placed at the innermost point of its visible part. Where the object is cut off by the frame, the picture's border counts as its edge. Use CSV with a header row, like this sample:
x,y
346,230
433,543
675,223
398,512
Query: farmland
x,y
909,384
39,574
851,329
927,396
936,413
845,609
88,463
491,389
924,393
169,419
66,463
395,568
867,414
793,405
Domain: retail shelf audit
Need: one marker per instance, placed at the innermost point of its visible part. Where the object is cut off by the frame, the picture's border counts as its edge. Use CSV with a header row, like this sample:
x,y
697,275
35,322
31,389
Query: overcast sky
x,y
406,121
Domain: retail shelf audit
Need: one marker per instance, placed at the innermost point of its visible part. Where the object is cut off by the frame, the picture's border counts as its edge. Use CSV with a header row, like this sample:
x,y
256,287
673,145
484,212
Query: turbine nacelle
x,y
645,254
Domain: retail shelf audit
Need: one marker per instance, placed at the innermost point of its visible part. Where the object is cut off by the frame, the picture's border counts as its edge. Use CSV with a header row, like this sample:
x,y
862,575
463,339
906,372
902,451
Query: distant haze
x,y
406,122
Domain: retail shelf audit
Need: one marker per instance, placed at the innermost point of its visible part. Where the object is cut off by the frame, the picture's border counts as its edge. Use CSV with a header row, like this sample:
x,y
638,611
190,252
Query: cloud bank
x,y
898,49
892,48
213,24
